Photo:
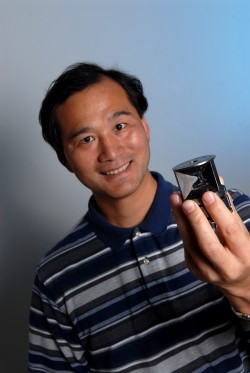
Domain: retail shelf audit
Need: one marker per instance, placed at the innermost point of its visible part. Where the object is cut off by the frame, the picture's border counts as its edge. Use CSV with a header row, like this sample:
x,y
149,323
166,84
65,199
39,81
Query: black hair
x,y
76,78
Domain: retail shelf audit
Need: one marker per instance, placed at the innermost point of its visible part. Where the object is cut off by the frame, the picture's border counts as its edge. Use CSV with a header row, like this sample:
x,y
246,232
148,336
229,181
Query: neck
x,y
130,211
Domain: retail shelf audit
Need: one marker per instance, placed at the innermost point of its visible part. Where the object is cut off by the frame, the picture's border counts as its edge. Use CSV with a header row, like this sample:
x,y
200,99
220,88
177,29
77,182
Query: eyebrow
x,y
74,134
115,115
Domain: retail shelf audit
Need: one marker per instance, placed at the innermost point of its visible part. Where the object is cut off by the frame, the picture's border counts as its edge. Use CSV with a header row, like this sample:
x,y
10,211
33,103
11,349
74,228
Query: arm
x,y
53,344
222,256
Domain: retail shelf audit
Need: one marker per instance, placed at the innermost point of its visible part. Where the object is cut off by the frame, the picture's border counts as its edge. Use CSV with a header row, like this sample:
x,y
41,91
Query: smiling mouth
x,y
118,170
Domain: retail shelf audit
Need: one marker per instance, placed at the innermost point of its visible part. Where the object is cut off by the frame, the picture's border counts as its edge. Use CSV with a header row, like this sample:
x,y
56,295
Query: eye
x,y
87,139
120,126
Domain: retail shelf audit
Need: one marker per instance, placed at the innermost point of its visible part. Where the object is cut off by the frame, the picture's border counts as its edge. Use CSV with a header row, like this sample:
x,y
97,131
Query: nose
x,y
109,149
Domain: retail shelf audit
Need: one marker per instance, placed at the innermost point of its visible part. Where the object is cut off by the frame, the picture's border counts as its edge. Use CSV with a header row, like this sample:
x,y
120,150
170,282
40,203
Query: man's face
x,y
105,142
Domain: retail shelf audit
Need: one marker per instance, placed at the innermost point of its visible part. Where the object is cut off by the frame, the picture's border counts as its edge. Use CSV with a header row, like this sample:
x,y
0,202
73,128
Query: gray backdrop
x,y
193,57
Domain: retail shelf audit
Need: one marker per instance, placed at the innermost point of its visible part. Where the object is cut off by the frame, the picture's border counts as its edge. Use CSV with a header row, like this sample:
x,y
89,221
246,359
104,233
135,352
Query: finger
x,y
196,257
207,240
221,180
237,216
230,225
201,268
191,250
176,203
181,220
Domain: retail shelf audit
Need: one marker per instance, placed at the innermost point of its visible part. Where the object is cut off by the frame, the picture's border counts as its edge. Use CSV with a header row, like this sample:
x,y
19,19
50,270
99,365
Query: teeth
x,y
114,172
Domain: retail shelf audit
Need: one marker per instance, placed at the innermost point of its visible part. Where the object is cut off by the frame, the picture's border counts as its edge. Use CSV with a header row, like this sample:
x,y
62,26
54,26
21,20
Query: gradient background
x,y
193,57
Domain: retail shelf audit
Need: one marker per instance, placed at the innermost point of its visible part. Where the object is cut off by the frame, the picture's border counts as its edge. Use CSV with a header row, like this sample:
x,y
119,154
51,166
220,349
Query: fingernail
x,y
188,206
208,198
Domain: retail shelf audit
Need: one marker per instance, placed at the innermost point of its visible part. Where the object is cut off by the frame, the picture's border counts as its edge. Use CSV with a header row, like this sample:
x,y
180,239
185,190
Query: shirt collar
x,y
156,220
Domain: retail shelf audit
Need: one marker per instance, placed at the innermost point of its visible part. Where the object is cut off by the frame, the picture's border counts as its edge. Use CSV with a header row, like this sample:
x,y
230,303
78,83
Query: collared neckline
x,y
156,220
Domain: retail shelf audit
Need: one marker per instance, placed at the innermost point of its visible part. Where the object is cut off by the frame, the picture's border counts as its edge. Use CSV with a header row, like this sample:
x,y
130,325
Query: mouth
x,y
118,170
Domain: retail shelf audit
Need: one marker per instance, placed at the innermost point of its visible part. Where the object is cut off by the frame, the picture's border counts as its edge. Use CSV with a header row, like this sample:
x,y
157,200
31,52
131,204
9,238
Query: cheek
x,y
139,140
78,162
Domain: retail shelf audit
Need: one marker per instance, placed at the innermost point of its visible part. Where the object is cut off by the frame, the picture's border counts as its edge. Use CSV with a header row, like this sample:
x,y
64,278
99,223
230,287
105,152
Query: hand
x,y
221,256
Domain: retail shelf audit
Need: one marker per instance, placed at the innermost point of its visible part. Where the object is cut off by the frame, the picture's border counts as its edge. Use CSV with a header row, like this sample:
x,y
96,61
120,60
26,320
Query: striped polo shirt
x,y
110,299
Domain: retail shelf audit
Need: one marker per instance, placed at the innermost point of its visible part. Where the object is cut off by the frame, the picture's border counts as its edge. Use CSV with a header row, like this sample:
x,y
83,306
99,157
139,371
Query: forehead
x,y
99,100
95,98
104,89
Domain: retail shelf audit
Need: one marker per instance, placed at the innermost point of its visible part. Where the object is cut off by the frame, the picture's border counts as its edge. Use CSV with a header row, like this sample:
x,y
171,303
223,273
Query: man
x,y
116,294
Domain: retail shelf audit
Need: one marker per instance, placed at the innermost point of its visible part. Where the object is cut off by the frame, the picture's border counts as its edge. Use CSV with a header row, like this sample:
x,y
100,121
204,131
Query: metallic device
x,y
198,175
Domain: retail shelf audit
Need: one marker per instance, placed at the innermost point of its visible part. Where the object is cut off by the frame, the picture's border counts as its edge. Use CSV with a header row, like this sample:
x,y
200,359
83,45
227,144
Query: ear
x,y
63,161
146,127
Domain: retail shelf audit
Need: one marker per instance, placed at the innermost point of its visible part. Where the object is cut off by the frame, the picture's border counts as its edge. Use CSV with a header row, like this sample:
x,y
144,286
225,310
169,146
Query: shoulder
x,y
242,205
74,247
239,198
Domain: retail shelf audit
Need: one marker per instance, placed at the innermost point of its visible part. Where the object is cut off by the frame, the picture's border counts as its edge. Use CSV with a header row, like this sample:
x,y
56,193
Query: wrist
x,y
240,315
240,301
